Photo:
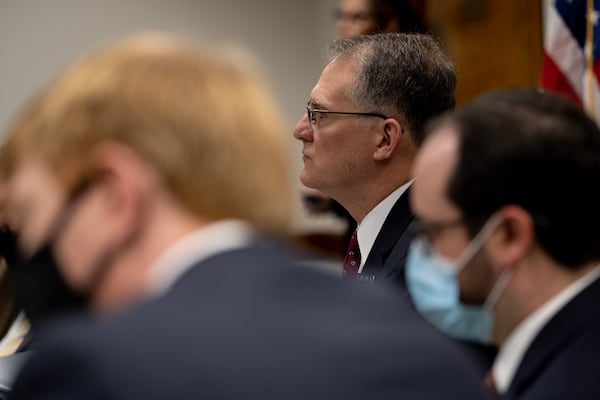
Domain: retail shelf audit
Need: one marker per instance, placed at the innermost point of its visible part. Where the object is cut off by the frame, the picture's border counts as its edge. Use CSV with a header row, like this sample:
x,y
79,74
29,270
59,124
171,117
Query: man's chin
x,y
307,180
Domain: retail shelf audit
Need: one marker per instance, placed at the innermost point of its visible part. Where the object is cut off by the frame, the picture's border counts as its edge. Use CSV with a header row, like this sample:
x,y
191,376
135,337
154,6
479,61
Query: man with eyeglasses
x,y
508,203
364,122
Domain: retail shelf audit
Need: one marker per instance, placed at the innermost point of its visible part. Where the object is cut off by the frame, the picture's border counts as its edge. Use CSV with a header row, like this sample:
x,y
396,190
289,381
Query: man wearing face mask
x,y
144,177
509,248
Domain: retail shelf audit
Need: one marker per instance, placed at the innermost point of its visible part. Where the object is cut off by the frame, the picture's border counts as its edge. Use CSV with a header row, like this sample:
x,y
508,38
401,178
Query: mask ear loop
x,y
482,236
473,248
498,289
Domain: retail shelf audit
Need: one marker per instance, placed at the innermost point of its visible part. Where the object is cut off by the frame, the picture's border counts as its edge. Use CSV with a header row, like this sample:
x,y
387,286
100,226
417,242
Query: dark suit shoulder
x,y
562,361
571,373
61,367
251,323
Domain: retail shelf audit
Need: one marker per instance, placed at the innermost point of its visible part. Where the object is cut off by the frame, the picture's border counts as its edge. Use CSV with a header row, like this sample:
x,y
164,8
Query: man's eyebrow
x,y
316,105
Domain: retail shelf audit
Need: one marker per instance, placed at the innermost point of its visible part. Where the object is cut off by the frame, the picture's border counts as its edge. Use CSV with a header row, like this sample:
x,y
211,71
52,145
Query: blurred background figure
x,y
366,17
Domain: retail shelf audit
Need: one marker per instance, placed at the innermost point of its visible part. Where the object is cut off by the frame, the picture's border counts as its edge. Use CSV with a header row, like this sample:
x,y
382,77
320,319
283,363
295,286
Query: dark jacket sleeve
x,y
60,371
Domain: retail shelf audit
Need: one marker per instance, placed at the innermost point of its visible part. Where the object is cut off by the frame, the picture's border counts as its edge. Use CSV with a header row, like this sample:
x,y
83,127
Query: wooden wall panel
x,y
494,43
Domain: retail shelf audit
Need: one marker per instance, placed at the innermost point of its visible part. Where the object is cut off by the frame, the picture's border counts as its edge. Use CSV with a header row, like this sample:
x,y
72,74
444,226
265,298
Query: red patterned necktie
x,y
352,259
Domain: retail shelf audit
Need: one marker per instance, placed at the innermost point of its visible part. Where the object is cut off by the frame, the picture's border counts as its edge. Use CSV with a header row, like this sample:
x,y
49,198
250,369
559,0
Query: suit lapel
x,y
393,228
558,332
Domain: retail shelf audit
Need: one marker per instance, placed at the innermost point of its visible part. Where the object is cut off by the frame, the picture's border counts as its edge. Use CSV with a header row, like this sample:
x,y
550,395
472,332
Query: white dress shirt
x,y
369,227
199,245
512,351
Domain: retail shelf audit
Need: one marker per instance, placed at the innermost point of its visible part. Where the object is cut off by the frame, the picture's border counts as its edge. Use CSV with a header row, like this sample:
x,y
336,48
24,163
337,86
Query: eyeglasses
x,y
315,115
427,232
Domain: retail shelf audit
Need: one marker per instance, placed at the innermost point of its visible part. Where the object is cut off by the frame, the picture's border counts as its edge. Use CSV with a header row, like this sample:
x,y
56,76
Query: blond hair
x,y
209,128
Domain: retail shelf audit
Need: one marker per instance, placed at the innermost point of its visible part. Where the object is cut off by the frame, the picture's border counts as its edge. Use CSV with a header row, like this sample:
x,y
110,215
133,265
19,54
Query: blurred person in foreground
x,y
364,122
507,199
145,175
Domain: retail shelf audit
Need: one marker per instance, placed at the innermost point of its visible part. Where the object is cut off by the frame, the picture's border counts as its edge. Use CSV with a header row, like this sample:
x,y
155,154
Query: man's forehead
x,y
439,152
435,163
335,81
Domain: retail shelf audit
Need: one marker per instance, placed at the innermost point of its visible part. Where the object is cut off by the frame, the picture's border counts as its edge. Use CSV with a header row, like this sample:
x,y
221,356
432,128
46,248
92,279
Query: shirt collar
x,y
369,227
199,245
512,351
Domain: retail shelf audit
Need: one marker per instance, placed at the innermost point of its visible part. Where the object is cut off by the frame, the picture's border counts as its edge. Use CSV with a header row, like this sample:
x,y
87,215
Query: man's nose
x,y
302,129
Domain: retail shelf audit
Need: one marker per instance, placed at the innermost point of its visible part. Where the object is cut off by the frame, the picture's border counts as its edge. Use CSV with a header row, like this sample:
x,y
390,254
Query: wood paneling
x,y
494,43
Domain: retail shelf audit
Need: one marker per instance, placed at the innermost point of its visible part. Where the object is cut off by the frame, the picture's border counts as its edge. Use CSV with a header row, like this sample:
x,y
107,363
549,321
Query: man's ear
x,y
513,239
389,134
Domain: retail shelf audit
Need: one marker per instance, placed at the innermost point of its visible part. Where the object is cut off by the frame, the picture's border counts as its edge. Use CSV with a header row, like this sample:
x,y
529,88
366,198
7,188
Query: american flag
x,y
572,51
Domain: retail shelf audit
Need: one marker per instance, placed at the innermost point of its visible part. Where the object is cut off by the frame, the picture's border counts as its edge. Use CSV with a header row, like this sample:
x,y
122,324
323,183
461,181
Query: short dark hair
x,y
540,152
403,75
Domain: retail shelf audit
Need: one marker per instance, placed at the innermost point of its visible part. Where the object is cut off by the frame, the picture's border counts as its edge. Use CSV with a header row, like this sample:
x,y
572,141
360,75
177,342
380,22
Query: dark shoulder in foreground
x,y
251,324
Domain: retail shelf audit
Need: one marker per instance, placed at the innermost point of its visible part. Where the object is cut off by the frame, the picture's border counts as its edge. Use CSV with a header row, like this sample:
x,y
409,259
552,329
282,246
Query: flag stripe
x,y
562,47
570,13
555,79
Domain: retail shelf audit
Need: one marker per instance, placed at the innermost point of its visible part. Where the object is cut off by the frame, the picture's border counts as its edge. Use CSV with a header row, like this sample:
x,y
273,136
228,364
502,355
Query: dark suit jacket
x,y
388,254
250,324
386,263
9,367
563,361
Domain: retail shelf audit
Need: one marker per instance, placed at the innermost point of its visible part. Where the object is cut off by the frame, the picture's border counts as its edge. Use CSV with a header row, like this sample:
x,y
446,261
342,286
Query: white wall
x,y
39,37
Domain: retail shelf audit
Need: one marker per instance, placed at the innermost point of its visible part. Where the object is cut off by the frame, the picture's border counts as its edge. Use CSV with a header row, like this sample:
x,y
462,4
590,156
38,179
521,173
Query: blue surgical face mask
x,y
433,285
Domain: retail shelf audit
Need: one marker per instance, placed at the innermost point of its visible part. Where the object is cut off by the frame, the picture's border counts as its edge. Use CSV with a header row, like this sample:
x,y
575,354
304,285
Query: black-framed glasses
x,y
315,115
427,232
